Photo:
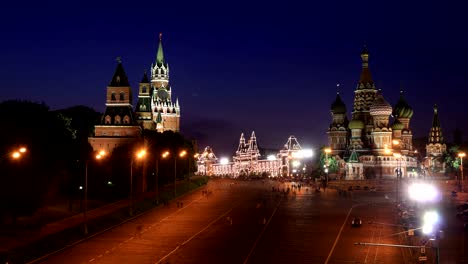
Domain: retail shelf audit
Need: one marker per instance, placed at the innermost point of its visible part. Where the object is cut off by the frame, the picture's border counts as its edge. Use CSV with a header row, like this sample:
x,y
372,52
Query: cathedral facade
x,y
370,145
122,123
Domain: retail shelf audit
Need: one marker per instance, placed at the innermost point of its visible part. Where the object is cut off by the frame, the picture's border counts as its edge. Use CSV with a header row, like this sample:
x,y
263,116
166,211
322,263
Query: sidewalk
x,y
25,238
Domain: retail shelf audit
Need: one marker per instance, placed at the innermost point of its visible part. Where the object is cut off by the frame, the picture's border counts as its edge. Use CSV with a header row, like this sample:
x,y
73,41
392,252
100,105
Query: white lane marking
x,y
339,233
258,238
188,240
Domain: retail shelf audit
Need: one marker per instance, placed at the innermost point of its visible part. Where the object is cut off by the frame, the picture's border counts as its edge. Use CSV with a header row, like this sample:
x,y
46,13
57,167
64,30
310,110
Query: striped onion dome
x,y
380,107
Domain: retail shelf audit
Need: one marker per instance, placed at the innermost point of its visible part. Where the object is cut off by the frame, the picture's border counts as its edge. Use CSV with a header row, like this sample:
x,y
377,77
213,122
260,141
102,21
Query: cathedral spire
x,y
435,136
241,147
160,54
365,80
253,142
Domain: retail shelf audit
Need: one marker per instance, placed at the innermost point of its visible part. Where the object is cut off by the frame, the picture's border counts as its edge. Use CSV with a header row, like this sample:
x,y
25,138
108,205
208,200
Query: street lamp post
x,y
181,154
398,157
101,154
139,155
327,151
461,155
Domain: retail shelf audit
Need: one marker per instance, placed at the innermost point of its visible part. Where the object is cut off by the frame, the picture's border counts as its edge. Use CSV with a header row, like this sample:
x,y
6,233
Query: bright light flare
x,y
427,229
224,161
296,163
183,153
271,157
461,154
165,154
430,219
327,150
22,150
303,153
141,154
423,192
16,155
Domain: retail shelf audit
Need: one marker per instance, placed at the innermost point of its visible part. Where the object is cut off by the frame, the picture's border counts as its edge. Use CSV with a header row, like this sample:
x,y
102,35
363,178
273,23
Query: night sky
x,y
236,66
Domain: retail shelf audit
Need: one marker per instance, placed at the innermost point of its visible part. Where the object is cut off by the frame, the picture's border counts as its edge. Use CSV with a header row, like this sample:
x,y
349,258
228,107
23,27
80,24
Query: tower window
x,y
107,120
143,90
126,119
113,96
122,96
117,119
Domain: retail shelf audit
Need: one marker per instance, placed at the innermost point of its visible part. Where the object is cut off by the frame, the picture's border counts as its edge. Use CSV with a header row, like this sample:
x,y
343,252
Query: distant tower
x,y
245,160
436,145
337,132
364,96
162,105
143,108
117,126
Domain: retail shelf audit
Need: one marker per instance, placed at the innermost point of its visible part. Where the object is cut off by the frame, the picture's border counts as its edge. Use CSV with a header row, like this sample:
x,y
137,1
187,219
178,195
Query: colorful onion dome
x,y
338,106
397,125
380,107
356,124
402,108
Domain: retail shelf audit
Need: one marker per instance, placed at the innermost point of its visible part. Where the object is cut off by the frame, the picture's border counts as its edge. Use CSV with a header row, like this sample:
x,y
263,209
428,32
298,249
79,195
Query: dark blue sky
x,y
240,66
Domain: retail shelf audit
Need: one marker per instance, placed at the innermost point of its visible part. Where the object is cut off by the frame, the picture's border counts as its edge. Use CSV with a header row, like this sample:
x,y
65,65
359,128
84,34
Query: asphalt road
x,y
246,222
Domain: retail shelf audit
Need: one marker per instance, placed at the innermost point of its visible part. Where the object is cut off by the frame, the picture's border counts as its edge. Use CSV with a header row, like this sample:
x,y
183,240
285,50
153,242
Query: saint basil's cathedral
x,y
155,109
370,146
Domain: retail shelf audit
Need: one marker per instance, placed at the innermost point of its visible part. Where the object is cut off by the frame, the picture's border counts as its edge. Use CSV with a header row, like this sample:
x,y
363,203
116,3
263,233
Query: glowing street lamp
x,y
461,155
99,156
16,154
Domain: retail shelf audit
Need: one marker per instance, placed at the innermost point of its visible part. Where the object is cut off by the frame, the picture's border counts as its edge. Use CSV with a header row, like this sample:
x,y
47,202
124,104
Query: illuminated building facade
x,y
155,109
367,146
117,126
247,160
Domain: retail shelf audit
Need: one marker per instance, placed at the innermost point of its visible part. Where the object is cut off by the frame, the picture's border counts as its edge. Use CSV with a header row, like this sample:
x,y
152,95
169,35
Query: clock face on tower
x,y
163,94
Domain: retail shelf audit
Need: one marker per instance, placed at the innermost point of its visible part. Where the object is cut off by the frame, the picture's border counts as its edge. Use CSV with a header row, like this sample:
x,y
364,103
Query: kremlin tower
x,y
155,109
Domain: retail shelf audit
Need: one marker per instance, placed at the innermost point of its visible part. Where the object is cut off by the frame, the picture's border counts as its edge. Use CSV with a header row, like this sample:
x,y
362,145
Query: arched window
x,y
107,120
143,90
126,120
122,96
113,96
117,119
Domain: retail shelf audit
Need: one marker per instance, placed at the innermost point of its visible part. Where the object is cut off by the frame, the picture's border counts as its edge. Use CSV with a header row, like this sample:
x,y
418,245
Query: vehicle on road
x,y
356,222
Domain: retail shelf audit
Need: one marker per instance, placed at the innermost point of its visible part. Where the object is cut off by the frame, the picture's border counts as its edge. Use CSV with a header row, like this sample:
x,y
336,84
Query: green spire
x,y
160,54
435,119
354,158
159,118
